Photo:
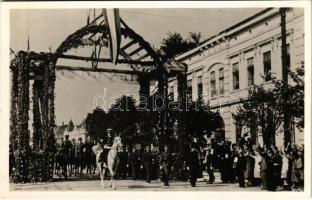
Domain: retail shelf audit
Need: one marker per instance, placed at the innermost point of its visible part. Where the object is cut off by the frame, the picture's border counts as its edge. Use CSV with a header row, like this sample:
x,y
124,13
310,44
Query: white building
x,y
73,131
225,65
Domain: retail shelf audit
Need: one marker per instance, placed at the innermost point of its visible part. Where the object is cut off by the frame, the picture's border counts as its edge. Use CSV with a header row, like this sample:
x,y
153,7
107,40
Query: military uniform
x,y
165,163
147,162
193,163
133,160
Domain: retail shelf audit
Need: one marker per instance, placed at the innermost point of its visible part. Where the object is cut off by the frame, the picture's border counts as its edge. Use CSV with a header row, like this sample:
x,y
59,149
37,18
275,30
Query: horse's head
x,y
117,142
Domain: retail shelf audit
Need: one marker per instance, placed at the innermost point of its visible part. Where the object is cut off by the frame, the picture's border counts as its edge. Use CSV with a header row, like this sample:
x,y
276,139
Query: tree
x,y
261,113
122,118
294,93
175,44
263,110
96,124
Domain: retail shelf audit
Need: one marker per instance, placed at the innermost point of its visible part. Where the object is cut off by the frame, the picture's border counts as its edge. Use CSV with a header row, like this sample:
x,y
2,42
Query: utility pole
x,y
286,124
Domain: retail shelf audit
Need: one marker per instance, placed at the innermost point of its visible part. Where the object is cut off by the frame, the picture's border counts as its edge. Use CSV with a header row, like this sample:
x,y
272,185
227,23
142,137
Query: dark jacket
x,y
147,158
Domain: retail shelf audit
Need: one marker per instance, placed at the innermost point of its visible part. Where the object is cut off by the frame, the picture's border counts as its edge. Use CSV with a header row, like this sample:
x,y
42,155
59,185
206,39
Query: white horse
x,y
112,161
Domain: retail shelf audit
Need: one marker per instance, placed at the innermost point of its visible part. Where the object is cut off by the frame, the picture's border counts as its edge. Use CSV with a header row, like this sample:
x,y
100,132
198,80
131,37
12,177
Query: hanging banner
x,y
96,76
113,20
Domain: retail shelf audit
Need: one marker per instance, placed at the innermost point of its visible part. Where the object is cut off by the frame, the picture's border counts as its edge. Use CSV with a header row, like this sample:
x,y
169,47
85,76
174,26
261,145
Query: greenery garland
x,y
29,166
20,105
37,126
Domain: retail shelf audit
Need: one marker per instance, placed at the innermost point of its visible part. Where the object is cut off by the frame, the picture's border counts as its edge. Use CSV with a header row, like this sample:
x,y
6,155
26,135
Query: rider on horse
x,y
107,145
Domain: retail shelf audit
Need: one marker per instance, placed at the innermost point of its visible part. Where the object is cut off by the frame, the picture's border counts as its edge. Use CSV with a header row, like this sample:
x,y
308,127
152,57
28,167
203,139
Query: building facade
x,y
222,69
73,131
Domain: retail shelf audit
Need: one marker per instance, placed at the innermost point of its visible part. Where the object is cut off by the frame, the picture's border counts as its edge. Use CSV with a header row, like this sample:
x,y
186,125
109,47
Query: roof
x,y
227,32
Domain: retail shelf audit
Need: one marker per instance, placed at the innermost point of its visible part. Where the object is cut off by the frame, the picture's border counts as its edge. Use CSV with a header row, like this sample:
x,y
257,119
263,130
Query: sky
x,y
47,28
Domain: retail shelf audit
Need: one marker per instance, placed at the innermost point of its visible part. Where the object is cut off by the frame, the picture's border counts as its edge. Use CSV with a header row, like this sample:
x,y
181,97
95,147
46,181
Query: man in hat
x,y
193,163
165,165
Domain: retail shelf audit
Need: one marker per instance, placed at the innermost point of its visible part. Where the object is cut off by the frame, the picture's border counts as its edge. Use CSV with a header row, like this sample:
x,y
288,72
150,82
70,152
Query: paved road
x,y
93,184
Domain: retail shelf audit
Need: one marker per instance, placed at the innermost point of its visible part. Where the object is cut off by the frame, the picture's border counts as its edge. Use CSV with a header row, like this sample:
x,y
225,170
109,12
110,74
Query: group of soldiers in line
x,y
72,157
75,158
245,163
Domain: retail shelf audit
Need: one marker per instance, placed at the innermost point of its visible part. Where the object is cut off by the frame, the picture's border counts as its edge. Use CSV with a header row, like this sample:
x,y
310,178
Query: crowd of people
x,y
244,163
270,167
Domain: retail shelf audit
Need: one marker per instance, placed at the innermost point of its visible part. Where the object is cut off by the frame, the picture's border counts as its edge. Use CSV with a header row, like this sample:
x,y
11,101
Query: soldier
x,y
123,162
165,165
147,162
88,154
193,164
79,156
133,163
62,159
72,160
67,148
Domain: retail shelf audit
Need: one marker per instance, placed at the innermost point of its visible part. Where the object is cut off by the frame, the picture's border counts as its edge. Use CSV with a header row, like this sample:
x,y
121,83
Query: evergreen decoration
x,y
19,119
32,163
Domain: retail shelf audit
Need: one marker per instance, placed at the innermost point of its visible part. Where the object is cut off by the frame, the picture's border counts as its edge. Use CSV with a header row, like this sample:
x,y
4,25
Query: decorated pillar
x,y
48,116
19,119
37,126
144,91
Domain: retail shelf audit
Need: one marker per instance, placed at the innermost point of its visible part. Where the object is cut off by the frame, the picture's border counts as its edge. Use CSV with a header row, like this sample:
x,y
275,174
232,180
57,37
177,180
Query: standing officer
x,y
123,162
193,163
147,162
67,149
133,163
79,155
165,164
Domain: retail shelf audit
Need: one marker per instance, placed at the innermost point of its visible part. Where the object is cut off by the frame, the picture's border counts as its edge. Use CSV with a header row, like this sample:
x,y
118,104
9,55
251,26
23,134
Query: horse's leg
x,y
102,172
112,173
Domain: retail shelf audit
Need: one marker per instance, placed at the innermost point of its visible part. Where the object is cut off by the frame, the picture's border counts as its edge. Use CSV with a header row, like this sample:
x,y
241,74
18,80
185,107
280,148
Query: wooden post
x,y
181,78
162,92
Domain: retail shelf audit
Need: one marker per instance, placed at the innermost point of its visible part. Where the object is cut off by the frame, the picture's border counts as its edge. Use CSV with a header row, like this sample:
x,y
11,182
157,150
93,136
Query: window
x,y
213,84
171,93
235,76
267,65
288,56
200,88
189,89
221,81
250,71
